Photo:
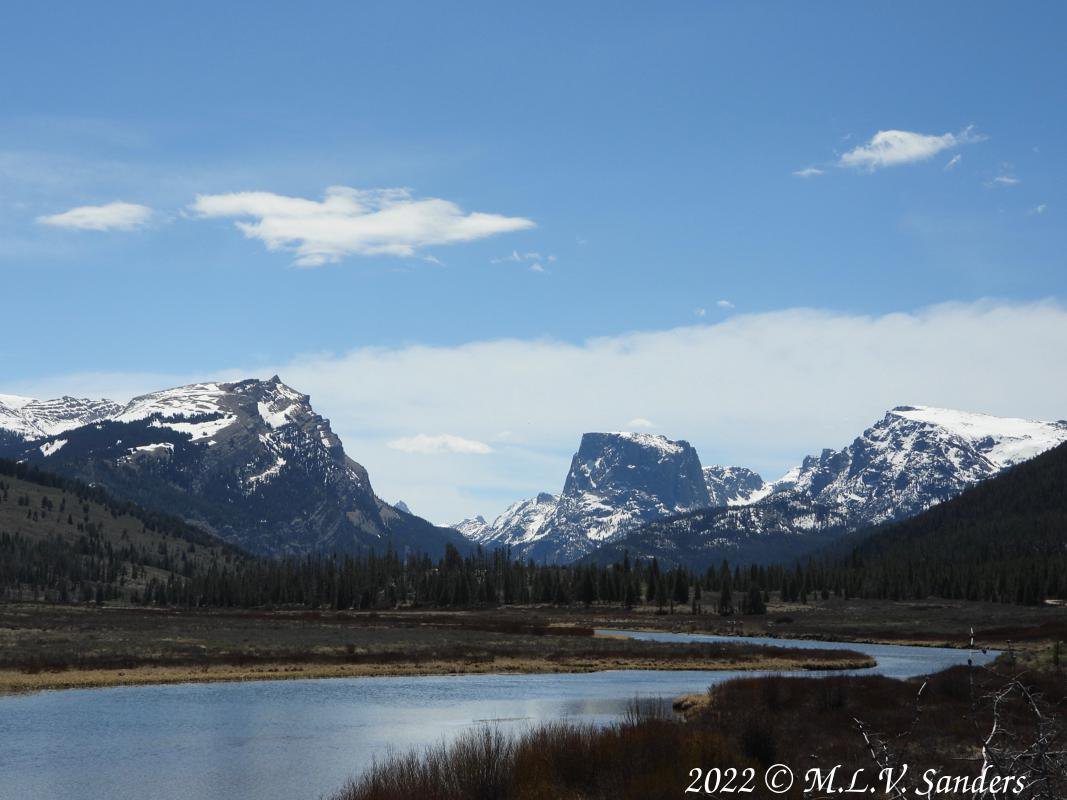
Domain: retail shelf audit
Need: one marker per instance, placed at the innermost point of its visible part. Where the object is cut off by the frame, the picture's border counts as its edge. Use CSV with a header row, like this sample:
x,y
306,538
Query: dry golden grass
x,y
13,681
53,647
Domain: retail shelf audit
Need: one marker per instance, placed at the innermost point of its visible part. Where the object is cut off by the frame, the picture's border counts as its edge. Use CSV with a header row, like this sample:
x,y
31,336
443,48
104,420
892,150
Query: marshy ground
x,y
50,646
53,647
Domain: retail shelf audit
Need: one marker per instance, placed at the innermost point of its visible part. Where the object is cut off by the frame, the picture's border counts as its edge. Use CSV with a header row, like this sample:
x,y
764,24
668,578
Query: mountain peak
x,y
651,441
617,480
733,486
251,460
1003,440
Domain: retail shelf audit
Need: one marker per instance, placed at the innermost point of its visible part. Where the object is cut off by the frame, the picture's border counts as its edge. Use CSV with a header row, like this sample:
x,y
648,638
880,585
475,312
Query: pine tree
x,y
754,604
726,600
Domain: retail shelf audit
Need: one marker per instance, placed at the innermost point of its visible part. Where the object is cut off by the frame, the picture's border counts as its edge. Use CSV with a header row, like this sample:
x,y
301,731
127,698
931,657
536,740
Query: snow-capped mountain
x,y
520,524
251,461
616,482
911,459
914,457
734,486
28,418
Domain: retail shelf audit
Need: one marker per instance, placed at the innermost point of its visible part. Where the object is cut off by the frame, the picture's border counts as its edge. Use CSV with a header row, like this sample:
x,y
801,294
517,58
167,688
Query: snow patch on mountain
x,y
1005,441
652,442
153,448
199,430
29,418
14,401
54,446
194,400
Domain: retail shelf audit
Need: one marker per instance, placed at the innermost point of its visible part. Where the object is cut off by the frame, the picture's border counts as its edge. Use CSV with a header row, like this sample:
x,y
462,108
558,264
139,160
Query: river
x,y
282,740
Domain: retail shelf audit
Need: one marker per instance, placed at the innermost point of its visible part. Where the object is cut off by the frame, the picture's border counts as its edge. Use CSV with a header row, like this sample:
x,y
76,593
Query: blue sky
x,y
643,156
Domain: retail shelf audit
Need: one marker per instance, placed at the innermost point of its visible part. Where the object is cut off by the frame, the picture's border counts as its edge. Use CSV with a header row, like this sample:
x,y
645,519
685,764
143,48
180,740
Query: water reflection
x,y
291,739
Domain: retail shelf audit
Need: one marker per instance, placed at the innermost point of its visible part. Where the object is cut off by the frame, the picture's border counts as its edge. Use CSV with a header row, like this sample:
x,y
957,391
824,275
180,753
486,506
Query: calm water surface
x,y
283,740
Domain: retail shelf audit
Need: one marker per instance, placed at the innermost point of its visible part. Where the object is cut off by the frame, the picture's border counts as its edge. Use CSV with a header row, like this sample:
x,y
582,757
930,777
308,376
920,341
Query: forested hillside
x,y
62,540
1003,540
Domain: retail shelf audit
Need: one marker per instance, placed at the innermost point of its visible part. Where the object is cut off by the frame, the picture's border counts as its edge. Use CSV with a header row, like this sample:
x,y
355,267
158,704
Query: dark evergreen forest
x,y
1002,541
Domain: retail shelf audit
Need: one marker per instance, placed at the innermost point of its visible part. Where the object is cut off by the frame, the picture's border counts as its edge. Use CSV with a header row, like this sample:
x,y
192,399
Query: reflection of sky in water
x,y
303,739
895,661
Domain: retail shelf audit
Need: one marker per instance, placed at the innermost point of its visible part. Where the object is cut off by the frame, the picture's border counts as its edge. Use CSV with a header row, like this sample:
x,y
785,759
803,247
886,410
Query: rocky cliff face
x,y
616,482
250,461
914,457
733,486
911,459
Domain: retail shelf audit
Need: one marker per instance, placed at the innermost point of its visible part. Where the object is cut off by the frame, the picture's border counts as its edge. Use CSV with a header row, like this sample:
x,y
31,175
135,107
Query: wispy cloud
x,y
441,443
1005,180
724,304
640,422
893,148
535,261
1038,209
109,217
349,222
808,172
549,392
953,162
700,312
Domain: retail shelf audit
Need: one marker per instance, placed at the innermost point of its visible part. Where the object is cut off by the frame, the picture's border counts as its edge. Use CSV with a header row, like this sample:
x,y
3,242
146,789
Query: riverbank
x,y
925,623
14,682
940,725
64,647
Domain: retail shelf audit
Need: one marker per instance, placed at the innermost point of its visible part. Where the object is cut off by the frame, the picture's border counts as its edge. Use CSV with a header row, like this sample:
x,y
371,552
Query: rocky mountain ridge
x,y
911,459
250,461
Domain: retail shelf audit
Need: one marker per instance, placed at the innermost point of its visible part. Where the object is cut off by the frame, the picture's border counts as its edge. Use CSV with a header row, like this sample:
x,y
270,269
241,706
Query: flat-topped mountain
x,y
616,482
910,460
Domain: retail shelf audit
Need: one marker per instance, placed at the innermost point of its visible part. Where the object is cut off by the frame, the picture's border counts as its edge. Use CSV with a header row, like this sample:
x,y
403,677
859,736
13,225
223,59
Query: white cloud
x,y
700,312
640,422
1039,208
515,257
1005,180
760,390
953,162
724,304
534,257
352,222
807,172
892,148
441,443
109,217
